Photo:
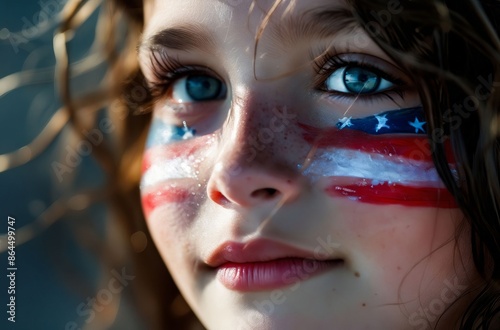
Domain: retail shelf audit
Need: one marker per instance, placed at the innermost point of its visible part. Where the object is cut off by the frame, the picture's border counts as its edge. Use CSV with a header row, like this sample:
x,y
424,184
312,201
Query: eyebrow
x,y
317,23
183,37
322,23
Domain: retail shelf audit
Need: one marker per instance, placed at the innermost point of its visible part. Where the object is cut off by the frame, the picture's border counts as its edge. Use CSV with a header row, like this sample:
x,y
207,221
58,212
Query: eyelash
x,y
329,63
167,70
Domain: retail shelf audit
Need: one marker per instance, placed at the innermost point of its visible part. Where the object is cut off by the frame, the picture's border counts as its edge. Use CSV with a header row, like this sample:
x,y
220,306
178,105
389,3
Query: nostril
x,y
265,193
219,198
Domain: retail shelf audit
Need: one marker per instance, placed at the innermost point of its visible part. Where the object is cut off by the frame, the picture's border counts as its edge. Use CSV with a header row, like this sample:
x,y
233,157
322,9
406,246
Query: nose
x,y
255,162
248,186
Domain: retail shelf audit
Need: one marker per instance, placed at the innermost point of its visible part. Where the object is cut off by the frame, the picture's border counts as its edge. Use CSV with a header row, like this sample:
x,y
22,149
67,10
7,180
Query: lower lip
x,y
269,275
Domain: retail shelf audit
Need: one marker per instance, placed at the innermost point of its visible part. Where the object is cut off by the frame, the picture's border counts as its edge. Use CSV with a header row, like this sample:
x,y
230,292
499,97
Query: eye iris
x,y
202,88
358,80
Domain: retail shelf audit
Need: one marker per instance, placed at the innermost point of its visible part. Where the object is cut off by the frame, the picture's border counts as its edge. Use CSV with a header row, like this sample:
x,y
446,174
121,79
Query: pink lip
x,y
265,265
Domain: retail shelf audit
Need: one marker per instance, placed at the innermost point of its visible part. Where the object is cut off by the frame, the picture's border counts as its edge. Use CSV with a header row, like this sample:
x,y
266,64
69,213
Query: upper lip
x,y
259,250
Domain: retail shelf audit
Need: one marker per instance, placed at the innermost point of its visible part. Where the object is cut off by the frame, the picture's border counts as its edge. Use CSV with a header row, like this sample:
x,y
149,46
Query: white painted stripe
x,y
333,163
166,169
379,168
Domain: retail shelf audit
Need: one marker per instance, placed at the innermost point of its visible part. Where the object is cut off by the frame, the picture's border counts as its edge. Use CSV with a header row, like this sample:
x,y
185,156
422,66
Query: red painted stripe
x,y
390,194
413,147
161,196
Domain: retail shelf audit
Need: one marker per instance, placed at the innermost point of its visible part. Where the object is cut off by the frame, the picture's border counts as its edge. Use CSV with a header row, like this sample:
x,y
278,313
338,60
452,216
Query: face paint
x,y
162,133
162,196
410,120
394,193
165,164
160,163
368,163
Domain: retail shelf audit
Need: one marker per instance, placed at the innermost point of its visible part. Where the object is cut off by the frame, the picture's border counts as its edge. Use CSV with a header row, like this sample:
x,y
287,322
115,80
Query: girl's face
x,y
287,182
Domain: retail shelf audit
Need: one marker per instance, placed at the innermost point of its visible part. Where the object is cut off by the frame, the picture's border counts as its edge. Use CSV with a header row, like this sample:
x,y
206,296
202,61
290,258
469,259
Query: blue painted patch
x,y
410,120
161,133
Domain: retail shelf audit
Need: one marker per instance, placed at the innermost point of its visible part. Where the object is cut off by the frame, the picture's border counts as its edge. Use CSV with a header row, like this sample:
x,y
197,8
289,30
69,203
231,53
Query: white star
x,y
382,122
346,122
417,124
188,132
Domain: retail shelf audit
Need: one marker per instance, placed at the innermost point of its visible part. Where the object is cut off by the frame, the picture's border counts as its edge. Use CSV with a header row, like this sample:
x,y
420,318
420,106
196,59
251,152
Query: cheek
x,y
386,169
404,251
170,196
169,230
177,239
172,191
170,234
171,177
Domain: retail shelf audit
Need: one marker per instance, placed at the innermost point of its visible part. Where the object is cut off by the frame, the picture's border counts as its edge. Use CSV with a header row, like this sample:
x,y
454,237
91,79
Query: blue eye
x,y
356,80
198,88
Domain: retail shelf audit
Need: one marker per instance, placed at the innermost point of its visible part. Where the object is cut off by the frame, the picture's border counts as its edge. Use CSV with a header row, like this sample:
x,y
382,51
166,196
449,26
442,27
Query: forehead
x,y
246,16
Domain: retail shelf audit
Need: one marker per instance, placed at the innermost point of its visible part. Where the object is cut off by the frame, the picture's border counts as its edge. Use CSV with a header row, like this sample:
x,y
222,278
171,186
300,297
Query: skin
x,y
397,259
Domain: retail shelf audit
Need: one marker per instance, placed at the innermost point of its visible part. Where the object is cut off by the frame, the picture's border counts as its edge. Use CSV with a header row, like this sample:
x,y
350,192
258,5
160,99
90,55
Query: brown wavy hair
x,y
452,51
448,48
122,94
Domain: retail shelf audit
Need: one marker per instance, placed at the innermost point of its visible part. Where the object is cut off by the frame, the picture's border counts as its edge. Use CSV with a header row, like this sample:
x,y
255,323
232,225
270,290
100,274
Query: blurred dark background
x,y
56,274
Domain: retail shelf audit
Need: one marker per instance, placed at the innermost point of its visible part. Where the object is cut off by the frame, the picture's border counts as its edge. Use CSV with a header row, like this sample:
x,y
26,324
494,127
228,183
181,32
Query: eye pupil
x,y
359,80
203,88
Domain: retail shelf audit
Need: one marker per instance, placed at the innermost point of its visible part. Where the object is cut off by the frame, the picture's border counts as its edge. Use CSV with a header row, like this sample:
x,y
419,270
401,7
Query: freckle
x,y
356,274
399,268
